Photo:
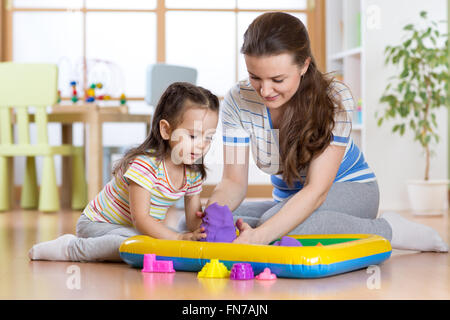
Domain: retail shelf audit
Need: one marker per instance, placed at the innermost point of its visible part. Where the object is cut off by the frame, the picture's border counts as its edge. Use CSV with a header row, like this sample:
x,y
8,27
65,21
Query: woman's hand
x,y
195,235
247,234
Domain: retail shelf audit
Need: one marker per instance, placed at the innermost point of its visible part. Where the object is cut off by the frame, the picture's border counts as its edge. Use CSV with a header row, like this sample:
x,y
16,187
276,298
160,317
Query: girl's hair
x,y
308,119
171,107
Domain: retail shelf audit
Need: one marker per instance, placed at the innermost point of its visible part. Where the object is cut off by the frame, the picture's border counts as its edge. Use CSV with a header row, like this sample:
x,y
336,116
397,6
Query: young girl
x,y
147,181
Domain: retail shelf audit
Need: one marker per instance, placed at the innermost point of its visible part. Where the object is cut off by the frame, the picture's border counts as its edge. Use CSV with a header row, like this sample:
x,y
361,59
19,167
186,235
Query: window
x,y
210,50
119,52
113,41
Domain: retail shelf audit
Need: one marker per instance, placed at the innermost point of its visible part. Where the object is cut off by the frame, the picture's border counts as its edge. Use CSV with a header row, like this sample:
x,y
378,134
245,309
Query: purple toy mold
x,y
241,271
218,224
287,242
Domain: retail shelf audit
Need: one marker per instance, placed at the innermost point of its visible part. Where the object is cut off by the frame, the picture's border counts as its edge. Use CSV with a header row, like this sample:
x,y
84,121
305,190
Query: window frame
x,y
315,12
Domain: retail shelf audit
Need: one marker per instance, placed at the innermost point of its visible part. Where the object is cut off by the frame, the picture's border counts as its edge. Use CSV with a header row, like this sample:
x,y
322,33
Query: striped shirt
x,y
246,121
112,204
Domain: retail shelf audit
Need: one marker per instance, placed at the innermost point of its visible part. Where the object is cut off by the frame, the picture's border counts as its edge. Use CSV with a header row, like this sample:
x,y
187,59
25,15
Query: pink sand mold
x,y
153,265
287,242
266,275
241,271
218,224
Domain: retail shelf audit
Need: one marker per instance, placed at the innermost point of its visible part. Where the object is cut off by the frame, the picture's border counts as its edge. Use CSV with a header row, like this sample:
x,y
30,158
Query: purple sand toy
x,y
241,271
218,224
153,265
287,242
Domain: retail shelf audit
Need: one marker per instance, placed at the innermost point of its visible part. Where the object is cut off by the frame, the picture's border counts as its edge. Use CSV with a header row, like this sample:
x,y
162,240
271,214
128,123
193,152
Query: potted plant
x,y
413,96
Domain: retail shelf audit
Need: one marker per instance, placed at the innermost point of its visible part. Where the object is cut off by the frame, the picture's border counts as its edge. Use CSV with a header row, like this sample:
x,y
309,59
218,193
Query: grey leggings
x,y
98,241
350,207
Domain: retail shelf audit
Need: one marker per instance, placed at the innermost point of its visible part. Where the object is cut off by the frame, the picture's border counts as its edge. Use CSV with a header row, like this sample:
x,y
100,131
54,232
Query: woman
x,y
298,122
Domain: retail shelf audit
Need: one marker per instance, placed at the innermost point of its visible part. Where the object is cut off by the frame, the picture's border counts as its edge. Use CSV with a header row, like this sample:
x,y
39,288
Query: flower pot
x,y
428,198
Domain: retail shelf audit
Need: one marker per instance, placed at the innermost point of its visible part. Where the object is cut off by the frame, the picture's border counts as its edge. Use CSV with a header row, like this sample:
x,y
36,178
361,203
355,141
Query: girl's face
x,y
191,139
275,78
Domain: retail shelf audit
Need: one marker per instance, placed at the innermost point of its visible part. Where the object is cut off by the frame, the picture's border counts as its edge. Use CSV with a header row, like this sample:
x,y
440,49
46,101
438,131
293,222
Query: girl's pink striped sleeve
x,y
143,171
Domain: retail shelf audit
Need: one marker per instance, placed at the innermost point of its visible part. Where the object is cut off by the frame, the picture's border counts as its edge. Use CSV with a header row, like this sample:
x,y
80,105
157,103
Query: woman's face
x,y
275,78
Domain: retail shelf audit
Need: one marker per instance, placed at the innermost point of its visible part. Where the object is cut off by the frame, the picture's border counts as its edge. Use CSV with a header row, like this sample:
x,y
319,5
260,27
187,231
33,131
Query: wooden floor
x,y
406,275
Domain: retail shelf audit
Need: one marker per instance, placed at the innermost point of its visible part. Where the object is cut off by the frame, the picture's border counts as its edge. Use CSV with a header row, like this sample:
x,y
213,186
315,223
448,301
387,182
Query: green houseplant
x,y
419,88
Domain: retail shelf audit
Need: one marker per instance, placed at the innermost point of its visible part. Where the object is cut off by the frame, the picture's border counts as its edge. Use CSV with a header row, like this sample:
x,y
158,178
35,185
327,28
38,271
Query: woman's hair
x,y
308,118
171,107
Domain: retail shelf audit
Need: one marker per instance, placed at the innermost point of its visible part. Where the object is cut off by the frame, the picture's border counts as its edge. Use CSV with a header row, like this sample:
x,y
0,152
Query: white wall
x,y
396,159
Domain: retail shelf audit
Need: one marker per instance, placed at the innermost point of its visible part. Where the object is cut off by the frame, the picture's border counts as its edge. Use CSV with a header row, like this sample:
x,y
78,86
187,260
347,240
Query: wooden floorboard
x,y
406,275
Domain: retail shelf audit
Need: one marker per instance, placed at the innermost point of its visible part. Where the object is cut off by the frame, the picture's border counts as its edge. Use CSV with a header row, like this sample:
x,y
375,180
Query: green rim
x,y
326,242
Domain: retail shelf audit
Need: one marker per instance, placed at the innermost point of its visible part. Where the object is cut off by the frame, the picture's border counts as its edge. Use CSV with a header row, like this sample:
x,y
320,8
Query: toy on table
x,y
123,99
241,271
319,244
90,93
218,224
153,265
266,275
74,98
99,80
99,86
214,269
287,242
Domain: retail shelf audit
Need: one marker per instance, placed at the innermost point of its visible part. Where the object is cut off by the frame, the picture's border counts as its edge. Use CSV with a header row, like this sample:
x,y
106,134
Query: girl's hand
x,y
200,214
247,234
194,235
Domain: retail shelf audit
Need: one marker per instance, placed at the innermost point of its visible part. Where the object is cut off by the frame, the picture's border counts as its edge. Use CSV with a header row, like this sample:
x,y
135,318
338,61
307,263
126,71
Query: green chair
x,y
24,88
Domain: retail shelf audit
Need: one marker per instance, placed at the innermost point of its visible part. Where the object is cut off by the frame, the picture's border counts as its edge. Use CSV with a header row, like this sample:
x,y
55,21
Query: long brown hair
x,y
308,117
171,107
